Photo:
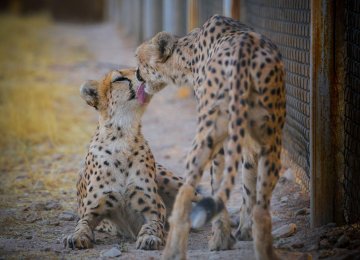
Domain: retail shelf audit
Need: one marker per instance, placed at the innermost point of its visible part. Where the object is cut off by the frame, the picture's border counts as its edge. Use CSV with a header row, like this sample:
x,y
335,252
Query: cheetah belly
x,y
126,219
128,222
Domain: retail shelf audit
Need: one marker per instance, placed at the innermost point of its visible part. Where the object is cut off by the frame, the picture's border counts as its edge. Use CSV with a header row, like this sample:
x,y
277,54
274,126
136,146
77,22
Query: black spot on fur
x,y
246,190
248,165
227,192
210,142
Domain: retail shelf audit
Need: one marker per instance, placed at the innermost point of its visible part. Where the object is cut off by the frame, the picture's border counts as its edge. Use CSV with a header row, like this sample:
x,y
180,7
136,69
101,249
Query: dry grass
x,y
38,118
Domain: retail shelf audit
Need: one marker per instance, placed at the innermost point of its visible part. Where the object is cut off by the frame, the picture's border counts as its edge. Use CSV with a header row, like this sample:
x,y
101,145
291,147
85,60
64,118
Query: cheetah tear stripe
x,y
141,94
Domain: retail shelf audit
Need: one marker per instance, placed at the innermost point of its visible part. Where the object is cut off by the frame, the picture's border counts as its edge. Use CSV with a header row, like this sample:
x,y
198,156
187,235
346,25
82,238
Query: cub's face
x,y
153,66
118,91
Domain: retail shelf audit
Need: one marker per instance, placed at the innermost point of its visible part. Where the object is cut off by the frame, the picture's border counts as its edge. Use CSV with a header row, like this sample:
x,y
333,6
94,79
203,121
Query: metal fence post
x,y
193,11
231,8
175,16
324,104
153,20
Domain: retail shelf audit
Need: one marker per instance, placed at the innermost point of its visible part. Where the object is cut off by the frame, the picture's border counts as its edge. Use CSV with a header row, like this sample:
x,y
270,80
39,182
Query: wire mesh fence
x,y
287,23
352,114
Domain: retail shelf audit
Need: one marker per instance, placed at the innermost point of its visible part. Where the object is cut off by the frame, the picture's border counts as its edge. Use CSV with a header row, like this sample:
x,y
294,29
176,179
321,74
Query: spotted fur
x,y
121,189
238,78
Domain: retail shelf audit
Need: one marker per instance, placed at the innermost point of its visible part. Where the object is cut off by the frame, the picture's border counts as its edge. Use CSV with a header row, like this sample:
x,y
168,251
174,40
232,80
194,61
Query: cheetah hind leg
x,y
262,234
244,229
261,214
221,238
249,174
213,208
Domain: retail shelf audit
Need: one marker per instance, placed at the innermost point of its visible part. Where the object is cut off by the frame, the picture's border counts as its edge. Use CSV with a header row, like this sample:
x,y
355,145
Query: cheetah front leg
x,y
176,242
93,213
151,234
221,238
83,237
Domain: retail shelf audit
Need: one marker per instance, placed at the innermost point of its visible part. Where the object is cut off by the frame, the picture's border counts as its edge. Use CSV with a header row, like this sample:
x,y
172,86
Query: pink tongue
x,y
141,94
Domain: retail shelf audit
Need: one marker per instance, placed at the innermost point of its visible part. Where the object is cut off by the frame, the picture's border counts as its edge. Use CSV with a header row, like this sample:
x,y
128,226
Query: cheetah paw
x,y
221,241
78,240
244,233
148,242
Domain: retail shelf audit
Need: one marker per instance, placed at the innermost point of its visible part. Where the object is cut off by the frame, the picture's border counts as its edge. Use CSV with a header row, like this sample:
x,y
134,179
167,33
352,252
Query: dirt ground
x,y
35,214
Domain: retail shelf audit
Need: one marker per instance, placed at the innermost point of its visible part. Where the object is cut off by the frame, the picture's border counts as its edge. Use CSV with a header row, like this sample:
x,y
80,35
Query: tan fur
x,y
121,188
179,224
238,79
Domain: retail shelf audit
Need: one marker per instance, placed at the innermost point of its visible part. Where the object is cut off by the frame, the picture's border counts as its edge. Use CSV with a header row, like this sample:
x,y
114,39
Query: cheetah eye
x,y
120,78
138,76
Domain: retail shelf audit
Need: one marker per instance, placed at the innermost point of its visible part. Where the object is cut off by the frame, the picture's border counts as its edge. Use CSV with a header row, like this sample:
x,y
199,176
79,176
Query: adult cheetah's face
x,y
153,62
118,90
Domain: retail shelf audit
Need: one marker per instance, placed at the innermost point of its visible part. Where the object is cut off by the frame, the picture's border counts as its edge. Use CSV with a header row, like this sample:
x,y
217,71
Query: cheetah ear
x,y
164,43
89,92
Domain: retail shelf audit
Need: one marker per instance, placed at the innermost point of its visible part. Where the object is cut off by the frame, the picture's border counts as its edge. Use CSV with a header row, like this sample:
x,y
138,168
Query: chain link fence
x,y
287,23
352,114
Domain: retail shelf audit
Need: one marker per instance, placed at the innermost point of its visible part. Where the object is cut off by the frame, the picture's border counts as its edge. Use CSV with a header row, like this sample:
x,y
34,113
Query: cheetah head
x,y
118,92
156,66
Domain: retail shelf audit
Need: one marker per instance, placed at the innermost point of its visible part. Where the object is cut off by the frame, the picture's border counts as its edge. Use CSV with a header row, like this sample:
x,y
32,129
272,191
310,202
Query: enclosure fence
x,y
320,44
287,23
351,182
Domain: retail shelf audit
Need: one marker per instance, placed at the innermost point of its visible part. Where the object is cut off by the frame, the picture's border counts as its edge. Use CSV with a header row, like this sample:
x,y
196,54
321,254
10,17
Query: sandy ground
x,y
34,222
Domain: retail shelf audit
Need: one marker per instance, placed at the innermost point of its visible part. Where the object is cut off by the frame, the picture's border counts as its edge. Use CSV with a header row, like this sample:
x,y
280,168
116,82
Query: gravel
x,y
67,216
113,252
285,231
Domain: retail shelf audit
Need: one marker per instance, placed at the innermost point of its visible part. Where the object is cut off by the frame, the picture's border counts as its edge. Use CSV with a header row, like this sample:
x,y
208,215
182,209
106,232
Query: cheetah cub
x,y
120,186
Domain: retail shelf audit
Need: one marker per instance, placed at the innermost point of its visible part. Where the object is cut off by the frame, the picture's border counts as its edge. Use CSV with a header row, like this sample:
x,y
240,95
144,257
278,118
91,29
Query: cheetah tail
x,y
205,210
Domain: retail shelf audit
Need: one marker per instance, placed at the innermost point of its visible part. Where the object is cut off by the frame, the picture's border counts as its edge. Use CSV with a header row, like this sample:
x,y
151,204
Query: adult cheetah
x,y
238,78
120,183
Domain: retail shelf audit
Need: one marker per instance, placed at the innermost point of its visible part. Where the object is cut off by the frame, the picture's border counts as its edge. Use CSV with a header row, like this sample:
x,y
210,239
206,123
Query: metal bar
x,y
152,18
338,108
323,176
227,7
174,15
193,11
235,9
